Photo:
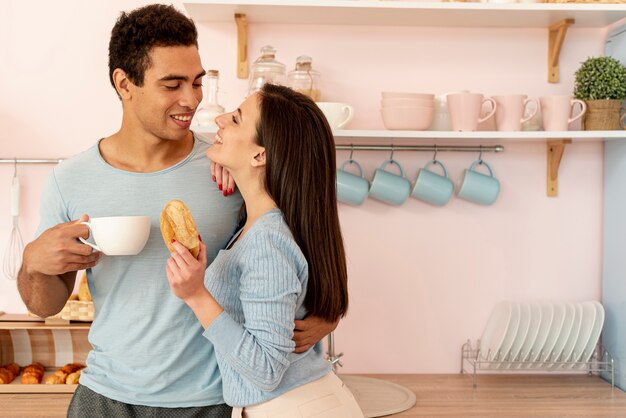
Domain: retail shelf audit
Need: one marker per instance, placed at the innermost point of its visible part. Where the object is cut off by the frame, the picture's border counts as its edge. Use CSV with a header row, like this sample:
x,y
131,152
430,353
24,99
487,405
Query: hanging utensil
x,y
15,247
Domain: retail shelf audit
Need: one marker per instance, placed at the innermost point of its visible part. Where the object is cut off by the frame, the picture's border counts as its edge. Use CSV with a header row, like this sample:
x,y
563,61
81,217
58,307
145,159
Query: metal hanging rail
x,y
30,160
351,147
430,148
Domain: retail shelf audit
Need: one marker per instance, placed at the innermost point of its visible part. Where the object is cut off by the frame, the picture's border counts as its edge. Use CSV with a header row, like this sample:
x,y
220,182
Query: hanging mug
x,y
478,187
352,189
431,187
388,187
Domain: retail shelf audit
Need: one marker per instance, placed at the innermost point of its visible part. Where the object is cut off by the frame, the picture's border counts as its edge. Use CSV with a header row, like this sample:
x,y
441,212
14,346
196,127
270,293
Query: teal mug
x,y
431,187
478,187
352,189
388,187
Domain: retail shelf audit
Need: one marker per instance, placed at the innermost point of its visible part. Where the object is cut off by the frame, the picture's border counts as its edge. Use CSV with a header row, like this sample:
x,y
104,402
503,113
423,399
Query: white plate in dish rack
x,y
522,332
531,336
547,312
586,327
595,333
511,333
568,349
495,331
566,330
555,331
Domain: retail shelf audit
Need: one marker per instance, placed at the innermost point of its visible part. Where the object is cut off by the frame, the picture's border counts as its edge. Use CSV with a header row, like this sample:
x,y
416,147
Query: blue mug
x,y
431,187
388,187
477,187
351,188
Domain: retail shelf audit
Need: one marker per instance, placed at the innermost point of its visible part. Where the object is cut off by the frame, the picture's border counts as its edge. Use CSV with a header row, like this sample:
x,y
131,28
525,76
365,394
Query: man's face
x,y
172,90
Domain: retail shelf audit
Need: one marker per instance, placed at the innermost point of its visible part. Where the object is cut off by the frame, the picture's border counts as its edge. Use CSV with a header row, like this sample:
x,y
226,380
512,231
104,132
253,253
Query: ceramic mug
x,y
337,114
511,112
556,111
465,108
388,187
431,187
351,188
478,187
118,235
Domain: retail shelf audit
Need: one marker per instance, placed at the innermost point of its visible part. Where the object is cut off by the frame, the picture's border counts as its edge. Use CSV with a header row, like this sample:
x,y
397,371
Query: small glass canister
x,y
266,70
305,79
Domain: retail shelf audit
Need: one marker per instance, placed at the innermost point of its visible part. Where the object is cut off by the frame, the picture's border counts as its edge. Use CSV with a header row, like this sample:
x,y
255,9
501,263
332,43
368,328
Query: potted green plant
x,y
601,83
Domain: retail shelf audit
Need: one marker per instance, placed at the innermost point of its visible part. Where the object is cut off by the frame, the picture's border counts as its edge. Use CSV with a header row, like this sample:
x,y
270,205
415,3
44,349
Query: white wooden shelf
x,y
395,13
524,136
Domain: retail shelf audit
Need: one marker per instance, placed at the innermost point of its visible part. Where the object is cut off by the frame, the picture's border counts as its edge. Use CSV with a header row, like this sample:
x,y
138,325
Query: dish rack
x,y
471,361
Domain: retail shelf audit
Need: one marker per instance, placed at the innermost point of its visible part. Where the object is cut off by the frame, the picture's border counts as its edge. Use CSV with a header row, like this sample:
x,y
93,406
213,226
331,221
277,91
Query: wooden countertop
x,y
438,396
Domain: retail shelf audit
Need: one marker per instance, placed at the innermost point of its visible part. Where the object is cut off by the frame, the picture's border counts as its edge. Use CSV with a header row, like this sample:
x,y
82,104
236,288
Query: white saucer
x,y
531,336
555,331
568,322
547,313
522,332
568,349
586,327
511,333
595,333
495,331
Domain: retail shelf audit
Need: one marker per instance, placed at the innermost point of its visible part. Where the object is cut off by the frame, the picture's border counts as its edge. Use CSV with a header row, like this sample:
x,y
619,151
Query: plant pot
x,y
602,115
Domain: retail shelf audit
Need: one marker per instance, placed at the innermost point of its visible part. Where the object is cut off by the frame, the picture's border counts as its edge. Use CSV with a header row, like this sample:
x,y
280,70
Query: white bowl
x,y
414,118
395,95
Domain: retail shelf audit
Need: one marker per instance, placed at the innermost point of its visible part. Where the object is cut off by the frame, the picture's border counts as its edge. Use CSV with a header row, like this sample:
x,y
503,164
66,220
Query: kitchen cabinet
x,y
25,340
614,266
555,17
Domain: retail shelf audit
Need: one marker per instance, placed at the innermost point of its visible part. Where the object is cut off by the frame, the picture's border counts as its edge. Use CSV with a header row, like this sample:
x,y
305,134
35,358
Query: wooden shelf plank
x,y
390,13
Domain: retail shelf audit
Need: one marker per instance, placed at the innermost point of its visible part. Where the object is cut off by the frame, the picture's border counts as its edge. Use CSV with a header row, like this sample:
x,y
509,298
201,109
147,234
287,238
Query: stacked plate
x,y
542,334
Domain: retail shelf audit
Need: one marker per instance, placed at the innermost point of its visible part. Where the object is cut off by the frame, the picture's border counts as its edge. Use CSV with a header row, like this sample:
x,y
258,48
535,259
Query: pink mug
x,y
510,112
557,110
465,108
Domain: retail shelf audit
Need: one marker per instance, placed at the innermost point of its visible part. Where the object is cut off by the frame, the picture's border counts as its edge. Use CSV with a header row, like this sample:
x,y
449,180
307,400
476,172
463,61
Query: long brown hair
x,y
300,178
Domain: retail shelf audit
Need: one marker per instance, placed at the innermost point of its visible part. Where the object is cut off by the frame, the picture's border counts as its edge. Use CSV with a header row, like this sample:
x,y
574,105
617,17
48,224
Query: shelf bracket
x,y
556,37
555,153
242,45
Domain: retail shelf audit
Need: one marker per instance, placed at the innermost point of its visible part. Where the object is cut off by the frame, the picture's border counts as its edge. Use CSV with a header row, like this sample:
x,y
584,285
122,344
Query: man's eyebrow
x,y
176,77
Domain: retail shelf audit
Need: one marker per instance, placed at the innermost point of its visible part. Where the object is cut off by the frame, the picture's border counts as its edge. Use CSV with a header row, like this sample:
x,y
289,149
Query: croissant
x,y
32,374
72,378
8,373
56,378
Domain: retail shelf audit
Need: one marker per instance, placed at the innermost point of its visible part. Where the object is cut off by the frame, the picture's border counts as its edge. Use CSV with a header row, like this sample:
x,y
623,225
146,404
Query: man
x,y
149,357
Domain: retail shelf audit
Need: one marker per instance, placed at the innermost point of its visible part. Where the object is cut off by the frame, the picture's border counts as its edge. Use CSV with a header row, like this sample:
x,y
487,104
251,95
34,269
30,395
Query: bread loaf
x,y
177,223
83,289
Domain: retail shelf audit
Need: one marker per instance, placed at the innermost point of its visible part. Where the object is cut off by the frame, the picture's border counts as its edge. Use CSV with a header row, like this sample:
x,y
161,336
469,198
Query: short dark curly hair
x,y
137,32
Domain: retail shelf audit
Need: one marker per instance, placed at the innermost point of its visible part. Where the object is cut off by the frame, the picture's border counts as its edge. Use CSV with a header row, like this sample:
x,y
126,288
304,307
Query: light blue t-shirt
x,y
148,347
261,284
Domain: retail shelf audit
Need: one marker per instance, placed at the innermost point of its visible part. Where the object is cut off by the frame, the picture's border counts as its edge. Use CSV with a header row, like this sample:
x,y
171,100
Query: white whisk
x,y
15,247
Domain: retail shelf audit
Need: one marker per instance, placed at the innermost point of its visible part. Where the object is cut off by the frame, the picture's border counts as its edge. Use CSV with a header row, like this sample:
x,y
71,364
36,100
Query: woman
x,y
286,262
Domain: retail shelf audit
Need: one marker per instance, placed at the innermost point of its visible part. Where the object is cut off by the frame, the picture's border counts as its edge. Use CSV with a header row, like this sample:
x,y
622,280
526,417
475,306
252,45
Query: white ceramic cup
x,y
337,114
118,235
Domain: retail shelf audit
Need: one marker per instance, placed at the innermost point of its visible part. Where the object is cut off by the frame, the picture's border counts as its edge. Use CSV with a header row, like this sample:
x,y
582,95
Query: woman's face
x,y
235,147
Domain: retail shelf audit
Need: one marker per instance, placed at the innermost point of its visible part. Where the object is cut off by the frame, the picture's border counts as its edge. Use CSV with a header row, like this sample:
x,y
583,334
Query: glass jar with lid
x,y
305,79
210,109
266,70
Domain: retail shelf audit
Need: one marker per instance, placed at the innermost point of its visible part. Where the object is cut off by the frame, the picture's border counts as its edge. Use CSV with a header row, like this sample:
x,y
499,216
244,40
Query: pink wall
x,y
422,279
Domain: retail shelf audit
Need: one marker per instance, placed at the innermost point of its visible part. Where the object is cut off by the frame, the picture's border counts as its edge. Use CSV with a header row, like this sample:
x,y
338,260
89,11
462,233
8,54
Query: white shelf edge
x,y
524,136
390,13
